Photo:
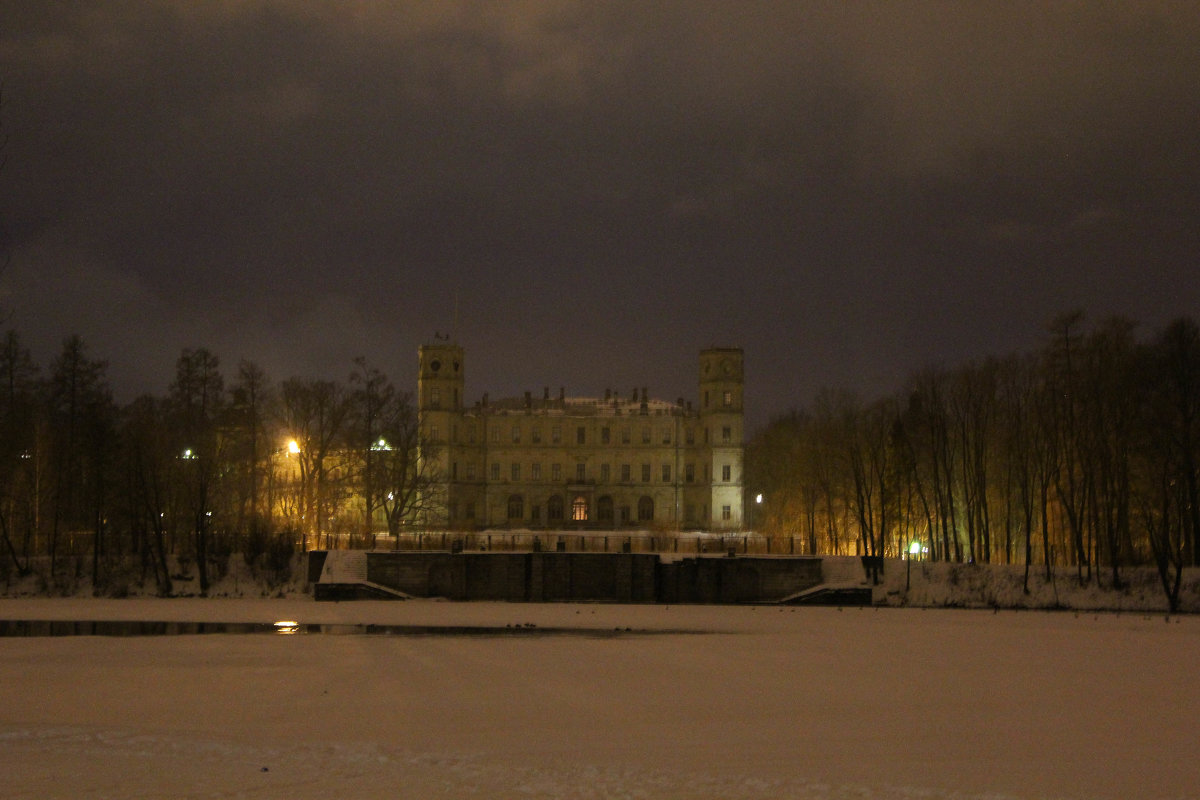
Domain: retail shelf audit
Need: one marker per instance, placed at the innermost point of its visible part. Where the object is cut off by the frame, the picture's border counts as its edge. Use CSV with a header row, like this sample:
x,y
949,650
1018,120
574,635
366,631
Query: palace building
x,y
611,462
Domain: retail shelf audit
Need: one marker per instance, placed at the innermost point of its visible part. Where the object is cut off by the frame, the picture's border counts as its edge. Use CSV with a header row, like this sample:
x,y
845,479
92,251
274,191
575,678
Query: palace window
x,y
554,508
726,512
689,472
556,434
516,433
625,435
470,471
516,507
625,475
646,435
726,434
605,473
535,435
579,509
435,398
645,509
666,439
556,472
581,435
666,473
725,471
645,473
604,509
727,398
691,435
516,472
495,470
604,435
536,471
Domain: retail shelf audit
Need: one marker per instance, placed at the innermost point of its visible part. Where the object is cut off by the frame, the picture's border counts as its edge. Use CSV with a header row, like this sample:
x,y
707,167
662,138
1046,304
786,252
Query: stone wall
x,y
602,577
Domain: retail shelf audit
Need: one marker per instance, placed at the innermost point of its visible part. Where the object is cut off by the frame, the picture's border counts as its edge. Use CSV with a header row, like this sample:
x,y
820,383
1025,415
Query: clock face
x,y
727,367
435,365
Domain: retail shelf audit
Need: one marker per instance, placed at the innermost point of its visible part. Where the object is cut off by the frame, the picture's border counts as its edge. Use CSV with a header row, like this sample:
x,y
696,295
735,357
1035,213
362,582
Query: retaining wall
x,y
603,577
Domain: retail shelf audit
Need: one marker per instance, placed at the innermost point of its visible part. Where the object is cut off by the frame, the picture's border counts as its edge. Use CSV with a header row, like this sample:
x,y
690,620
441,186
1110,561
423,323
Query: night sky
x,y
594,191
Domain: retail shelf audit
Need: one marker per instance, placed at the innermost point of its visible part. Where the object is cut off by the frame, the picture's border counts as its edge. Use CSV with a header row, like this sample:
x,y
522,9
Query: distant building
x,y
620,461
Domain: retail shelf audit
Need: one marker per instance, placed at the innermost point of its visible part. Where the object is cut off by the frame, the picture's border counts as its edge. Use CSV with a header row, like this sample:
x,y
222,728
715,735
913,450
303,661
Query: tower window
x,y
727,398
435,398
646,435
580,435
726,512
726,434
725,471
516,433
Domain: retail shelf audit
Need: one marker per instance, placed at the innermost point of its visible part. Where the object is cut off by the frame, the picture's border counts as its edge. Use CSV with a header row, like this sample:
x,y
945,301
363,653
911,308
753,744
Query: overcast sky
x,y
594,191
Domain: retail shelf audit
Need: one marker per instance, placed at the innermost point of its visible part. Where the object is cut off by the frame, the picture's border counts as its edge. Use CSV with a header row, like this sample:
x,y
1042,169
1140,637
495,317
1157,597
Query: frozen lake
x,y
703,702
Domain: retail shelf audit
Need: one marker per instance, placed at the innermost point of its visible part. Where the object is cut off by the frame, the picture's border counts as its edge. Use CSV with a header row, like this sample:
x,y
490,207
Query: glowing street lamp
x,y
914,551
293,447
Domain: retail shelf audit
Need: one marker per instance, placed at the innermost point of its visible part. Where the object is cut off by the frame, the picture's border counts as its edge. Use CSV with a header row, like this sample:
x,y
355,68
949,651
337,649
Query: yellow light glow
x,y
293,447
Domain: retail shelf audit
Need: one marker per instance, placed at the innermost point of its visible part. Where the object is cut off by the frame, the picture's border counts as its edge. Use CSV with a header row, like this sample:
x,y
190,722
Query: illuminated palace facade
x,y
612,462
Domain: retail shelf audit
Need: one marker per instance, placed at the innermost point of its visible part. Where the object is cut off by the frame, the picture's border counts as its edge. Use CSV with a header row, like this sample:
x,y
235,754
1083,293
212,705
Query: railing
x,y
686,543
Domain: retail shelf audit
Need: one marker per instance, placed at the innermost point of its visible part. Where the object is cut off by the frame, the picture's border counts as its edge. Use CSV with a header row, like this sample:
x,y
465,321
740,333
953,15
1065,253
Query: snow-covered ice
x,y
713,702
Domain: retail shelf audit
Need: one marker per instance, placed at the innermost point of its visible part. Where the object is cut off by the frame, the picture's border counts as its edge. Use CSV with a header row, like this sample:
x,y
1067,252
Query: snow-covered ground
x,y
692,702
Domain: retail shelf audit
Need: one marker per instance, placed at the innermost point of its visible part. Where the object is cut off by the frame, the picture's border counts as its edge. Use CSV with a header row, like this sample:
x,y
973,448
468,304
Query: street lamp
x,y
914,550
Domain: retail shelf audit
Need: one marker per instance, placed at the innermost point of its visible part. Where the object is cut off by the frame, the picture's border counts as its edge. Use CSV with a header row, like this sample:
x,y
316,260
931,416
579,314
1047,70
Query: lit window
x,y
435,398
579,509
725,471
727,398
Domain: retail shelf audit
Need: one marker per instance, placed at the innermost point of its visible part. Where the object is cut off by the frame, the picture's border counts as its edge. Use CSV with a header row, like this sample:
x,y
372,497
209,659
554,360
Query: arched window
x,y
554,508
579,509
645,509
516,507
604,509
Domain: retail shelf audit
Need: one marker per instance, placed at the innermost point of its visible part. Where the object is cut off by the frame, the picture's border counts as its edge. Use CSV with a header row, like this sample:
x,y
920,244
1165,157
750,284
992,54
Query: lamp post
x,y
914,550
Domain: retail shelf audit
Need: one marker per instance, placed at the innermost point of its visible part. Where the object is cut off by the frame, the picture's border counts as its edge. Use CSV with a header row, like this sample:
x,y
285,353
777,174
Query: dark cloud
x,y
849,190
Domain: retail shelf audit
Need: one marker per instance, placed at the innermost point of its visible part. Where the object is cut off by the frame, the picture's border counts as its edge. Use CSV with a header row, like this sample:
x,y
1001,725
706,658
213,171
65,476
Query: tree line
x,y
1082,453
212,467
